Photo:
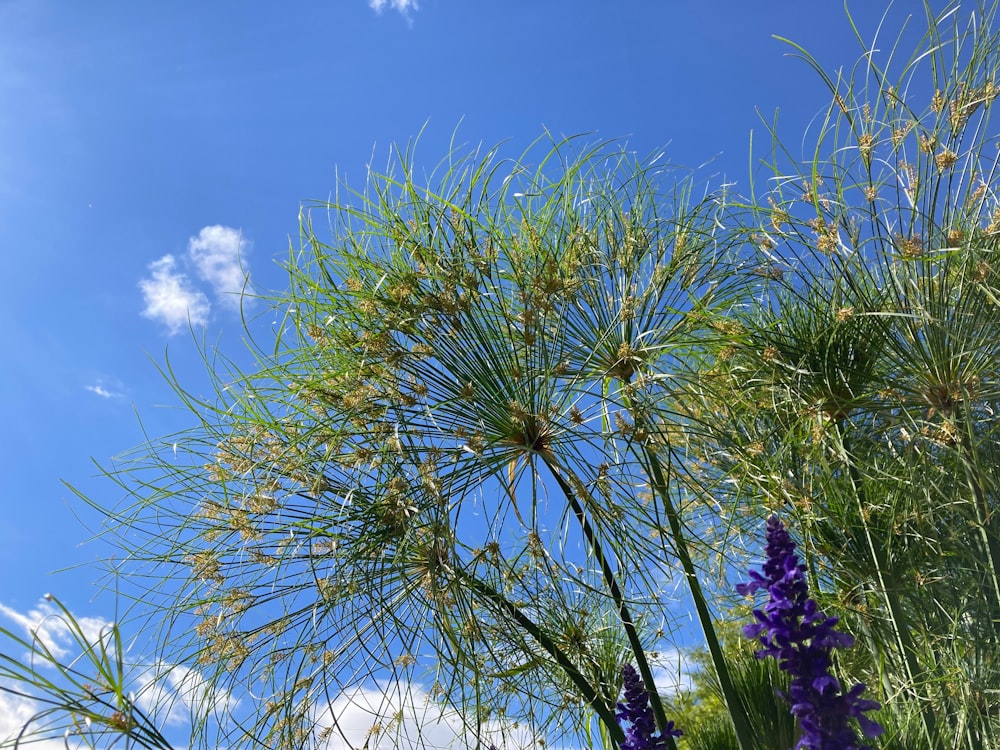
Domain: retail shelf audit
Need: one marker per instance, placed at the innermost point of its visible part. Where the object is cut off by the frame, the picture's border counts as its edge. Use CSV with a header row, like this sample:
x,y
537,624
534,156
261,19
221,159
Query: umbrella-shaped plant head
x,y
441,474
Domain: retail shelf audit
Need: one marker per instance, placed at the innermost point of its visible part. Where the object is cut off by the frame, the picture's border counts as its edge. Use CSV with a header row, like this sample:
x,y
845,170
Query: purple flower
x,y
793,630
636,711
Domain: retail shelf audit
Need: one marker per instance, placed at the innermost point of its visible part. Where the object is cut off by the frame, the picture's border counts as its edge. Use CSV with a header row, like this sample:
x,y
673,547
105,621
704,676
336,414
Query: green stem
x,y
983,520
737,710
616,594
900,621
587,691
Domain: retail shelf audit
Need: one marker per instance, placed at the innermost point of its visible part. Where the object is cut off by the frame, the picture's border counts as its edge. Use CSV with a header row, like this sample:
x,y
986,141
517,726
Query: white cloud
x,y
171,299
409,719
672,671
101,391
15,713
177,693
48,625
403,6
216,254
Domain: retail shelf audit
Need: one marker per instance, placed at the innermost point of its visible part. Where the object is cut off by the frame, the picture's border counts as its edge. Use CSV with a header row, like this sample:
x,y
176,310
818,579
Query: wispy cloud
x,y
403,6
171,693
170,298
101,391
46,623
177,693
217,255
15,712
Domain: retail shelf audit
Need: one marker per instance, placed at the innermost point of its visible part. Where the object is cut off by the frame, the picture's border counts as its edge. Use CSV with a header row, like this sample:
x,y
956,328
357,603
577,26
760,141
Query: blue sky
x,y
152,153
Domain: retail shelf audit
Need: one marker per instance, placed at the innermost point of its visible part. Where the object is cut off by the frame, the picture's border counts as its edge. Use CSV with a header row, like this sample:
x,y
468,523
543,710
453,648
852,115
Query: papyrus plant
x,y
454,466
858,391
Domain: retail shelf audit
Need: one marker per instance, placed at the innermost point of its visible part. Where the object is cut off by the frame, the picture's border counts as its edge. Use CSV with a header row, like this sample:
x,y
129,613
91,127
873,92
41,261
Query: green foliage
x,y
446,464
859,396
701,709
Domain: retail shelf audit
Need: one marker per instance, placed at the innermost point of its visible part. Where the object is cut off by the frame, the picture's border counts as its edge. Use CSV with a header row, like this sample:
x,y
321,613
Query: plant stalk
x,y
616,594
587,691
900,621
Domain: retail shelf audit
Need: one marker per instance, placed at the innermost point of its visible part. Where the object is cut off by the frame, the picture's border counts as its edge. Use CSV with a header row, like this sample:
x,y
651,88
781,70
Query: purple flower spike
x,y
793,630
636,711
